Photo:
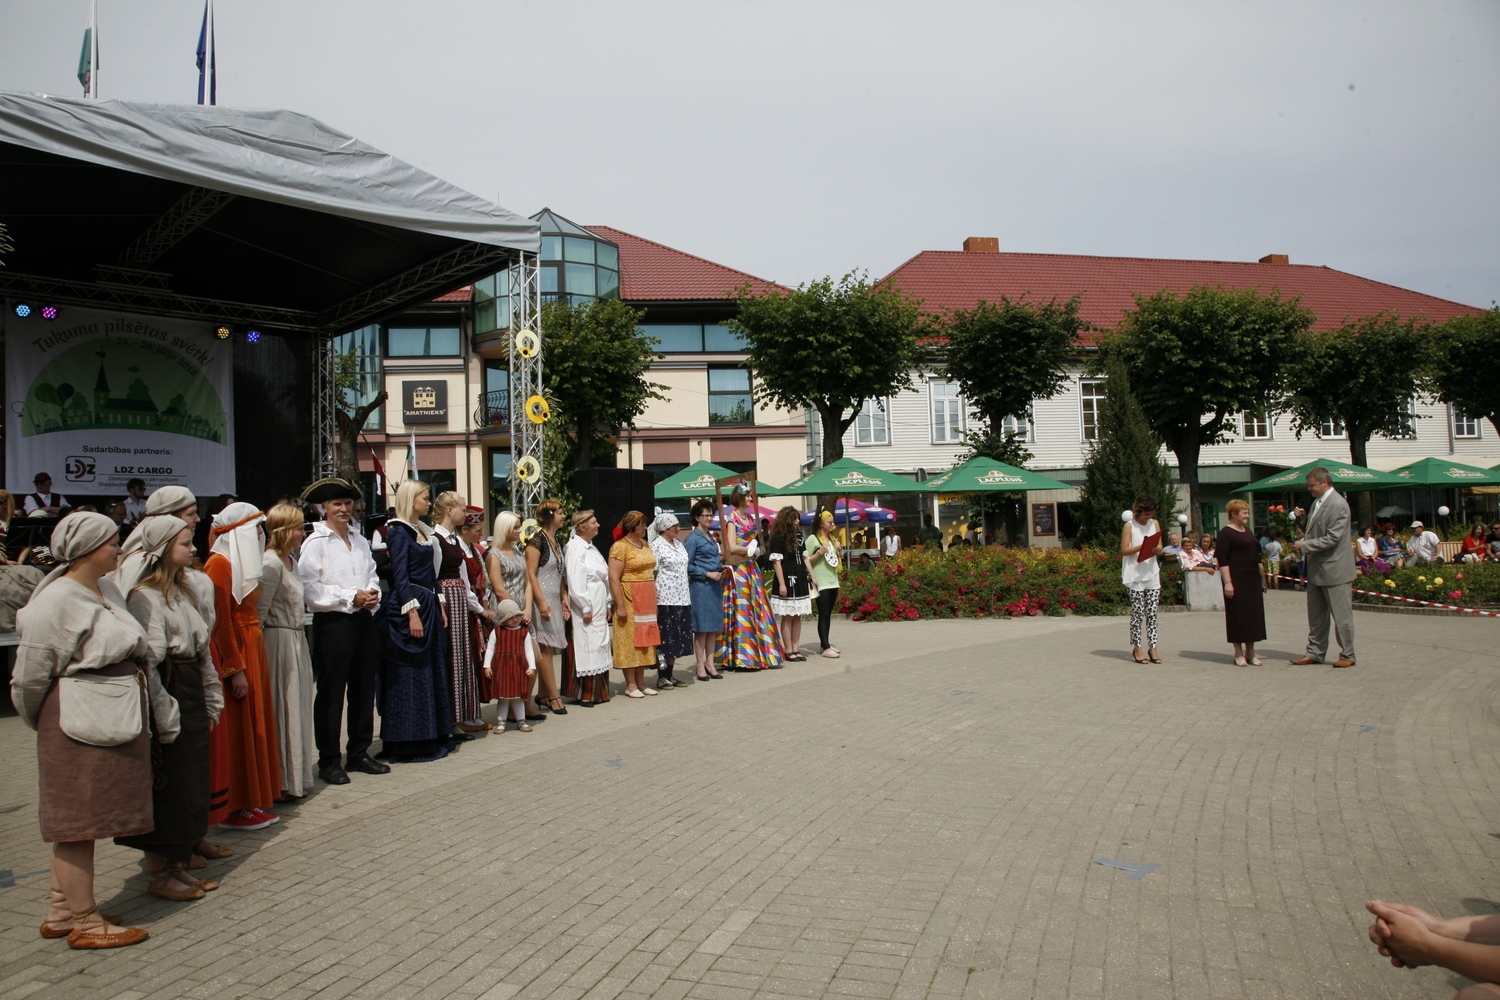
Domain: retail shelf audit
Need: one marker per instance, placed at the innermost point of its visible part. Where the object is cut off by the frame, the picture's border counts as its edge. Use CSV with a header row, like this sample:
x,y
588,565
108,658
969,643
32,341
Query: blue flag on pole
x,y
208,69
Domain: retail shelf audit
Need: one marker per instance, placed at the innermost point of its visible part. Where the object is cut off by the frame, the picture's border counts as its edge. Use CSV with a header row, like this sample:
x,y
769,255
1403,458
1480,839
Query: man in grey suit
x,y
1330,569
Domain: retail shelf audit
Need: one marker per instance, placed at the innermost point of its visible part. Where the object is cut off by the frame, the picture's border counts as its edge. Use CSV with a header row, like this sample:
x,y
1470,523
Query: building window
x,y
499,486
1464,426
947,412
422,342
365,343
675,338
873,425
1022,426
729,399
1091,392
492,303
1257,426
494,405
1331,430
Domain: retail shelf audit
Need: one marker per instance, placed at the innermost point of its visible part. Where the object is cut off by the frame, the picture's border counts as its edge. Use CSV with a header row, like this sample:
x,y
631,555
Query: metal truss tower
x,y
325,424
528,481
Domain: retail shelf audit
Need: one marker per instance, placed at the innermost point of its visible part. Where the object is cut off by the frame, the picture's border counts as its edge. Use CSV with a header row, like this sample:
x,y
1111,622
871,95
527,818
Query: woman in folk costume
x,y
462,607
632,583
471,540
235,564
78,682
177,649
416,714
284,623
588,594
510,663
179,502
749,640
674,601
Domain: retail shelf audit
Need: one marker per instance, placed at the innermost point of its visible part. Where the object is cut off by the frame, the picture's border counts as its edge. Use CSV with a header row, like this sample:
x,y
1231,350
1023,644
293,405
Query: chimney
x,y
1275,258
982,244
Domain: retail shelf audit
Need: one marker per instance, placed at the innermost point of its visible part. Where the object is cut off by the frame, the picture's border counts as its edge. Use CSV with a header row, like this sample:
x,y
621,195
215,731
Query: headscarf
x,y
169,500
151,538
75,537
236,536
662,524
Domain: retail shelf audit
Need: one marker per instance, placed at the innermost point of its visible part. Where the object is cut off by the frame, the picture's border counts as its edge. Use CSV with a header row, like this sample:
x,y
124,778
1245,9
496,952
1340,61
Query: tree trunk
x,y
1358,452
350,426
1187,467
833,434
585,441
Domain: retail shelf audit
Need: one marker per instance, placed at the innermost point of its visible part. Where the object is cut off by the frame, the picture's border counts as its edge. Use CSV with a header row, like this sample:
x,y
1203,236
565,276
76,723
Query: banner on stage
x,y
96,398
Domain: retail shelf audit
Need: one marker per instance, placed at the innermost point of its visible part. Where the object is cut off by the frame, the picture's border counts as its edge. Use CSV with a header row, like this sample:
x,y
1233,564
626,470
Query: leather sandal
x,y
159,882
60,902
213,851
94,934
179,872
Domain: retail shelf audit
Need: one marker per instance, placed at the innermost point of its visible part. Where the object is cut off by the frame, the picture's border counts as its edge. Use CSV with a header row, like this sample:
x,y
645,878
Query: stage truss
x,y
324,402
525,382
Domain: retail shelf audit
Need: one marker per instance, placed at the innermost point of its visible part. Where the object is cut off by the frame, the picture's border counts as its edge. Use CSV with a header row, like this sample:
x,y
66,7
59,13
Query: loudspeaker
x,y
610,494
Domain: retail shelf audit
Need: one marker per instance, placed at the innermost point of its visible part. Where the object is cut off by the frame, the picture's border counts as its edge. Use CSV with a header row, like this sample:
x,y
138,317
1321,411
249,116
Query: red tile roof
x,y
464,294
952,279
653,272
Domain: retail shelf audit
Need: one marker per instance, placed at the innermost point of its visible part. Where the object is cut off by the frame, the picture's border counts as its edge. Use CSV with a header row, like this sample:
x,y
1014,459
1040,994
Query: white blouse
x,y
671,573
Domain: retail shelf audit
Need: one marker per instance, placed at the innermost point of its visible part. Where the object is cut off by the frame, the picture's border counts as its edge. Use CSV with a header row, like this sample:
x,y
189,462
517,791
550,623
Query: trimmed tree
x,y
1198,360
1465,349
830,346
595,369
1005,355
1123,462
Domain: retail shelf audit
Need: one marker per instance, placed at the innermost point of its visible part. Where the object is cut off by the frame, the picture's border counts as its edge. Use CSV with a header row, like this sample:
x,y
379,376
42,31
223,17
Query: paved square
x,y
918,819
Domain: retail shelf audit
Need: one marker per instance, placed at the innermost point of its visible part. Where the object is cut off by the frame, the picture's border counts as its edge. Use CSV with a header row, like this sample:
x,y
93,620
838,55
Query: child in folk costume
x,y
509,663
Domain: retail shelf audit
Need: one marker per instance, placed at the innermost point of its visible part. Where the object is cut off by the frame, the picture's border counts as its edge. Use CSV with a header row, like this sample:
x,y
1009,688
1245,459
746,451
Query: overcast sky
x,y
794,140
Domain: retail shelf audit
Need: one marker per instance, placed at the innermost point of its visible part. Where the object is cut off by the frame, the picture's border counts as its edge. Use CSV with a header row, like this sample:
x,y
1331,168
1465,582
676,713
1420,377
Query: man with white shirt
x,y
43,501
1422,547
1327,548
340,586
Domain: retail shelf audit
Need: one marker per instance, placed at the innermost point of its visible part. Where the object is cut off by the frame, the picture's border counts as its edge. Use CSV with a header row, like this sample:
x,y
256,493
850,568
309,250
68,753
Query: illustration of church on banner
x,y
59,406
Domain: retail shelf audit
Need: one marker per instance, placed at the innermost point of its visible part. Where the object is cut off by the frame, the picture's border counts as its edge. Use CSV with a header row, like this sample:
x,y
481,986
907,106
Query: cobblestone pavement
x,y
918,819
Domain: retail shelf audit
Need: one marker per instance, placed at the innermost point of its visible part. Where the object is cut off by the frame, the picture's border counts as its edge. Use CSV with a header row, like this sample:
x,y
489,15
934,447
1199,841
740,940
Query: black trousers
x,y
345,655
827,601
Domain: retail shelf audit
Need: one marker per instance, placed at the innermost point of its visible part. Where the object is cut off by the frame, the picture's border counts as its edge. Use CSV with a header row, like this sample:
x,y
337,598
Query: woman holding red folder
x,y
1140,539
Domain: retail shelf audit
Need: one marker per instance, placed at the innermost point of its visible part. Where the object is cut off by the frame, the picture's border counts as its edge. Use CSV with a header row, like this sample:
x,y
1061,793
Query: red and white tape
x,y
1393,597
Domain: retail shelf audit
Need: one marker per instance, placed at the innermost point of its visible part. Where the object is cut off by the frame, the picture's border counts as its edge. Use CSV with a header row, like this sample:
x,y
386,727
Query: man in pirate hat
x,y
340,586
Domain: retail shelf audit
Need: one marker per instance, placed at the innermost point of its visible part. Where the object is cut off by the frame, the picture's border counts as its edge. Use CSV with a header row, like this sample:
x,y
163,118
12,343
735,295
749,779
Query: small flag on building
x,y
88,57
411,458
208,65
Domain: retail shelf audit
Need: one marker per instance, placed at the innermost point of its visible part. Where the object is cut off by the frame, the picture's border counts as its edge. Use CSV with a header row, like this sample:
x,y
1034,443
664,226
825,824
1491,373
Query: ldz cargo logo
x,y
78,469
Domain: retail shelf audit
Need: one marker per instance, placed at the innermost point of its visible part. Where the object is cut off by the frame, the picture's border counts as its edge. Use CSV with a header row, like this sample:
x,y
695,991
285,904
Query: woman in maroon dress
x,y
1243,572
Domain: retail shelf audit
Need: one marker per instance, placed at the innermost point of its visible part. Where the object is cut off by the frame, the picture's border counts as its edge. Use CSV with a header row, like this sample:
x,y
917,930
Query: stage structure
x,y
529,411
260,222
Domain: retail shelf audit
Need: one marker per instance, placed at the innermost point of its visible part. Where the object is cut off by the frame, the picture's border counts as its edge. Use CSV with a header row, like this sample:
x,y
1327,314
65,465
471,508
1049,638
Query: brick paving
x,y
918,819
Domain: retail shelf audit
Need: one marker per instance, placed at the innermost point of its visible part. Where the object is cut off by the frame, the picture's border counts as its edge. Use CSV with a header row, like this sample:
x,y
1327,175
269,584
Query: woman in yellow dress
x,y
632,575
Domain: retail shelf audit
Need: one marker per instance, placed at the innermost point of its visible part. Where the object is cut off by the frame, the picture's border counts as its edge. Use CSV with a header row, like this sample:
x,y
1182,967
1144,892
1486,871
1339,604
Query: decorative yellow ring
x,y
527,344
537,410
529,469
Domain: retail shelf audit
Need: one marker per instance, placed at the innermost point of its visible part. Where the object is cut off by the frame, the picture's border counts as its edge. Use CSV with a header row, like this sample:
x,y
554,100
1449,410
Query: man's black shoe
x,y
333,774
369,765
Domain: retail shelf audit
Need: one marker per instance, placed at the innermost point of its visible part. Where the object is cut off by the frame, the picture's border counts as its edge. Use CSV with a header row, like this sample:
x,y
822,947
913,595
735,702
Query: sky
x,y
801,139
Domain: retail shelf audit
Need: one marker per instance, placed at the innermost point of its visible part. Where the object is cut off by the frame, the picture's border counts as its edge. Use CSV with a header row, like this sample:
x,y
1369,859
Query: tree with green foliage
x,y
830,346
1463,371
1197,361
1123,462
1003,356
595,368
349,414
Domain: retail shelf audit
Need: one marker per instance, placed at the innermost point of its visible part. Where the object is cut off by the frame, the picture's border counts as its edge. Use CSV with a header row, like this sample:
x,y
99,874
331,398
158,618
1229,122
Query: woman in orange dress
x,y
237,545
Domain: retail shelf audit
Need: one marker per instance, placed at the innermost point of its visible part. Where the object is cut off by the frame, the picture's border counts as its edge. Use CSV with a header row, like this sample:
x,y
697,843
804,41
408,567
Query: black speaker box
x,y
610,494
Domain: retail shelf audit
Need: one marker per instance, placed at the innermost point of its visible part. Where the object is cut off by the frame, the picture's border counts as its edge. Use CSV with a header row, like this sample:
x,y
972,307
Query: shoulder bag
x,y
101,710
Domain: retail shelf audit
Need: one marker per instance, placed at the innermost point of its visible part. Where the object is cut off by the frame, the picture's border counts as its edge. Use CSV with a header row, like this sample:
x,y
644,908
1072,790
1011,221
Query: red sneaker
x,y
247,820
262,814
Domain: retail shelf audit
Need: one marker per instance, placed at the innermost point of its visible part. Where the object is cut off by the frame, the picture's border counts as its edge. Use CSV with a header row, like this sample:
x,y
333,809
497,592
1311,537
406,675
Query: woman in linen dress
x,y
283,619
674,611
588,593
632,583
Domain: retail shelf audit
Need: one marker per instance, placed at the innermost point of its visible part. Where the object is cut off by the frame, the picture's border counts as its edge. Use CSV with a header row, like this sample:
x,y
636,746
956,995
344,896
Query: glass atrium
x,y
577,266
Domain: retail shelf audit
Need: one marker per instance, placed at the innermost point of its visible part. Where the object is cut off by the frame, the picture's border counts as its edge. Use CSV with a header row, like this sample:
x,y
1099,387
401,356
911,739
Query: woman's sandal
x,y
159,882
179,872
94,934
60,902
556,706
213,851
1239,661
1153,656
1137,658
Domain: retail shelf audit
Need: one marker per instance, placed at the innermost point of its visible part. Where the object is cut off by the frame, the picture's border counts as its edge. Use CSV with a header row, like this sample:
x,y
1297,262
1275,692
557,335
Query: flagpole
x,y
211,60
94,49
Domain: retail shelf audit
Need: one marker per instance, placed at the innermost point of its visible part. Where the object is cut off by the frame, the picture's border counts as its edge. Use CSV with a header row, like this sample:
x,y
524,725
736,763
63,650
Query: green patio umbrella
x,y
985,475
1346,476
849,478
1446,472
697,480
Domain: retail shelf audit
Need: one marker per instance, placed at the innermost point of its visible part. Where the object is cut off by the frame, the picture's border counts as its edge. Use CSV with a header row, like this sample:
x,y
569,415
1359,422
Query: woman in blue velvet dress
x,y
416,715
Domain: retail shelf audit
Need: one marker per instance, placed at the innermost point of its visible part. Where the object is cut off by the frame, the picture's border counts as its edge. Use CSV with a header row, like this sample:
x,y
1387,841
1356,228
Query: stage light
x,y
23,309
222,333
253,336
49,312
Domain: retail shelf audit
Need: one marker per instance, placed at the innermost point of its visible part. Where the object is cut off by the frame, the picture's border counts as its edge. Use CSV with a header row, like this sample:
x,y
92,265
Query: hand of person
x,y
567,613
531,672
239,684
445,618
621,616
546,612
1297,545
487,615
1228,590
714,576
1404,938
588,618
782,587
489,671
1298,512
414,624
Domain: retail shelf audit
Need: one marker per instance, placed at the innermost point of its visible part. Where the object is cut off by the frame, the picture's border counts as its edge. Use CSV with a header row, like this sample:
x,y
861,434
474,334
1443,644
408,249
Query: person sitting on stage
x,y
339,584
44,501
135,503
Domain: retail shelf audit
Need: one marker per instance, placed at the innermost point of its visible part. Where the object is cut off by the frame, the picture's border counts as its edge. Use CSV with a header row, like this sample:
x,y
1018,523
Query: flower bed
x,y
990,582
1467,584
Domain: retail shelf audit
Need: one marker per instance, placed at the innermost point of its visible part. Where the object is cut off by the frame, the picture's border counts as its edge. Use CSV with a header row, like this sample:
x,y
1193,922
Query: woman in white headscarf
x,y
78,681
674,602
587,580
176,650
235,564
